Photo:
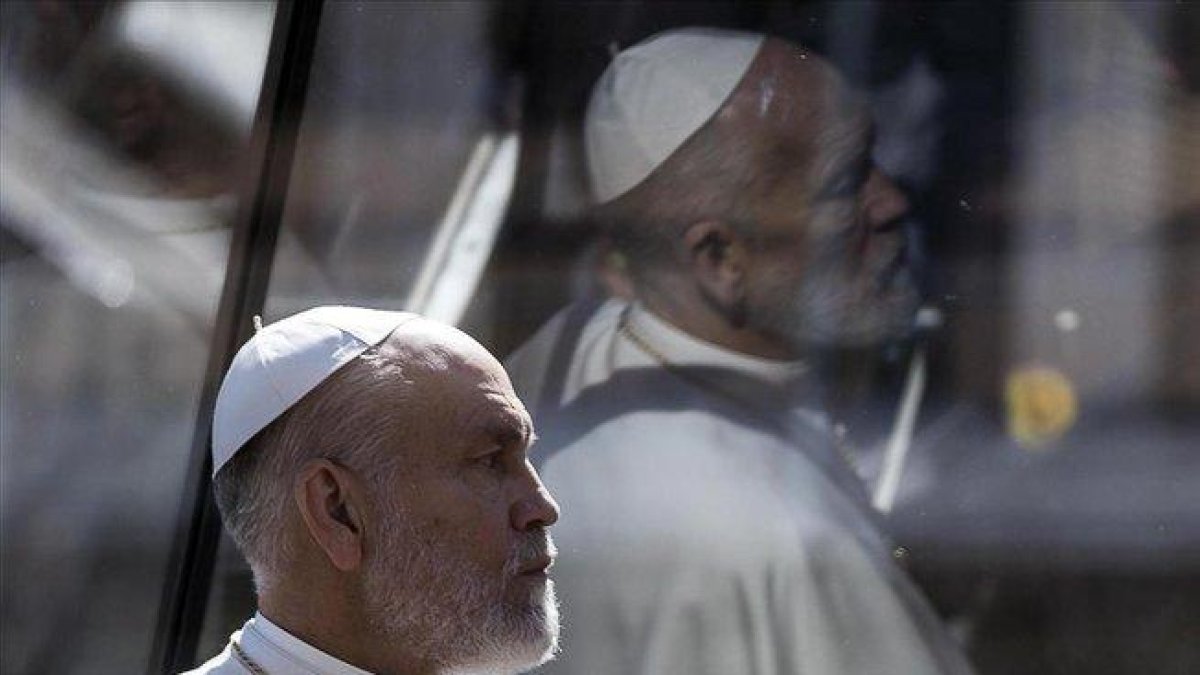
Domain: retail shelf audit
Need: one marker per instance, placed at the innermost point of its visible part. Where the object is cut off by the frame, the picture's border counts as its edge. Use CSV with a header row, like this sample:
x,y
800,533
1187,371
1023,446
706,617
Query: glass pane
x,y
399,96
1028,437
1050,156
123,126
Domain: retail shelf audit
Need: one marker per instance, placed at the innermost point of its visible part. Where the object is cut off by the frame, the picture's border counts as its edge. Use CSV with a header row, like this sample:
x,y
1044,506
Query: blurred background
x,y
1051,151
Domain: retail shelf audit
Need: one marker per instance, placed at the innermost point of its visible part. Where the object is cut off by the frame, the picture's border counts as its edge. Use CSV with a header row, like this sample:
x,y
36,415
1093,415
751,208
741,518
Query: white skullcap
x,y
285,361
654,96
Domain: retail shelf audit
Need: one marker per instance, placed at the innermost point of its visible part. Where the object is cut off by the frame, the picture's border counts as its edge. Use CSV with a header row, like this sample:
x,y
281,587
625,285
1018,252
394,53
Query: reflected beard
x,y
836,309
438,605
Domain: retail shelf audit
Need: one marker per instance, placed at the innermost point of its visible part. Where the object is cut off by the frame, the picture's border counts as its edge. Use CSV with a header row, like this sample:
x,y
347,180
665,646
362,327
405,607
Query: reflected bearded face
x,y
829,267
840,295
431,597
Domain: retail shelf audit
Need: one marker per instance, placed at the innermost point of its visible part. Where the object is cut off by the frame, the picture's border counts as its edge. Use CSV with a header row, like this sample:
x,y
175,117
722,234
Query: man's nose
x,y
535,507
882,201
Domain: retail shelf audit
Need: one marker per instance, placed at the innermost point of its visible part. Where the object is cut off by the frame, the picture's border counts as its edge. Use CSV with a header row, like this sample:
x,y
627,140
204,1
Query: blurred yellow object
x,y
1041,404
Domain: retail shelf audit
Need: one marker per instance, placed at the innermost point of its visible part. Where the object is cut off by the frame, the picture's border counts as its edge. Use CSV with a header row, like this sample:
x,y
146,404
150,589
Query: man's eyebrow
x,y
850,147
509,427
861,141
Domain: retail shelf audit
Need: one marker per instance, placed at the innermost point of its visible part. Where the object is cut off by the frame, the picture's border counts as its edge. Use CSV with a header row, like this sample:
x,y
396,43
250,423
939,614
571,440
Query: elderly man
x,y
714,524
372,468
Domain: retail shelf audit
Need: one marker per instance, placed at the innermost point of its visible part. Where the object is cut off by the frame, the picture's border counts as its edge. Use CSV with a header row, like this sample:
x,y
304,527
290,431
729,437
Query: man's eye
x,y
493,461
848,183
842,187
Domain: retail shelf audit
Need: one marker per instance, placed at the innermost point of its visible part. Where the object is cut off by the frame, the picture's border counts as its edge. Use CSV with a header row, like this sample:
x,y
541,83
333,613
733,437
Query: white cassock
x,y
273,651
708,524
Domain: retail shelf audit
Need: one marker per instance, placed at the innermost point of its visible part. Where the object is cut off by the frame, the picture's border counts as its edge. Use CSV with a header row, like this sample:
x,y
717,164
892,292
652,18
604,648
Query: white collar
x,y
280,653
682,349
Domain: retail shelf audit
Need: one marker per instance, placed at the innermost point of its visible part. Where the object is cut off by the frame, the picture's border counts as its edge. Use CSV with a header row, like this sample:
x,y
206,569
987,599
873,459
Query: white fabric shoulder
x,y
591,358
527,365
276,651
222,664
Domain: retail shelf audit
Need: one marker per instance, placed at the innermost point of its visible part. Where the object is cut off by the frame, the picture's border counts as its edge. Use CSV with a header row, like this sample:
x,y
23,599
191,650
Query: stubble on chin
x,y
442,606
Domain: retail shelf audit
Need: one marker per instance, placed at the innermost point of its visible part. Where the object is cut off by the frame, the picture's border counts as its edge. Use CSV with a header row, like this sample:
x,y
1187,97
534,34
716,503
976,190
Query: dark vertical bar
x,y
264,188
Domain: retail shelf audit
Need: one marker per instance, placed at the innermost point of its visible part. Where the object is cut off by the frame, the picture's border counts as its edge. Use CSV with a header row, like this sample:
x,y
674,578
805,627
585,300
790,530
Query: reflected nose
x,y
536,507
883,202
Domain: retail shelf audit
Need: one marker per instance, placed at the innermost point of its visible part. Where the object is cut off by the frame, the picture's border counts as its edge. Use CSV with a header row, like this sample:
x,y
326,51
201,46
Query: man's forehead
x,y
791,70
497,413
799,100
428,345
448,368
847,127
441,357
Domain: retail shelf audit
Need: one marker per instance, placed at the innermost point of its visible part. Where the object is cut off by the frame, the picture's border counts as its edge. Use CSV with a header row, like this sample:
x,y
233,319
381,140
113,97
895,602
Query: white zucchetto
x,y
654,96
286,360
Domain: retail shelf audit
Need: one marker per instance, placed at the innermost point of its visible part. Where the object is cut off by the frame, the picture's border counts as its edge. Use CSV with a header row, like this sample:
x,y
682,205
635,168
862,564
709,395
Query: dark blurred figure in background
x,y
714,522
123,129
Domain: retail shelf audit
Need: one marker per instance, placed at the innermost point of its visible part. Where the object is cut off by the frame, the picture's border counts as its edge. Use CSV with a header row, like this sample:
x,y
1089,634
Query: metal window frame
x,y
260,210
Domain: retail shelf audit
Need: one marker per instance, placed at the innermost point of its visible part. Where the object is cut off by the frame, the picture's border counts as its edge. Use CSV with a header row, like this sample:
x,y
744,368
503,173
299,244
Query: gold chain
x,y
245,660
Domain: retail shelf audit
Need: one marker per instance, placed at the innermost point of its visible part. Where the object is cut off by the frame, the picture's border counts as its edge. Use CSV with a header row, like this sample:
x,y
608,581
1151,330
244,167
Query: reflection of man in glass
x,y
712,524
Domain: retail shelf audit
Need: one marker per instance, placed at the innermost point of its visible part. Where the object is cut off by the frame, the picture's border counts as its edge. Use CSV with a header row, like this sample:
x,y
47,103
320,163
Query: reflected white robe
x,y
694,537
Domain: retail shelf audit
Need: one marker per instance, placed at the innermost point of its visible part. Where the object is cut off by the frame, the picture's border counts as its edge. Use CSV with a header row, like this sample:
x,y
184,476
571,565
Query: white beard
x,y
829,312
835,303
444,608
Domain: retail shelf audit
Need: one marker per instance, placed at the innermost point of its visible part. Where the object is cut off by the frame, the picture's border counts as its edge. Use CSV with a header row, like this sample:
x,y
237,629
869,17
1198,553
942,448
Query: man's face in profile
x,y
461,569
830,266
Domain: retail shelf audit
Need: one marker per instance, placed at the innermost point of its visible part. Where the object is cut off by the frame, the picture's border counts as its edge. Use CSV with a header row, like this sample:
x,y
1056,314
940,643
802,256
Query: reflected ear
x,y
330,499
717,257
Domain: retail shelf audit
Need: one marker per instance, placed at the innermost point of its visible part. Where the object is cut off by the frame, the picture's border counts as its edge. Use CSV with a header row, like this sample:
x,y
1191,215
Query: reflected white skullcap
x,y
654,96
286,360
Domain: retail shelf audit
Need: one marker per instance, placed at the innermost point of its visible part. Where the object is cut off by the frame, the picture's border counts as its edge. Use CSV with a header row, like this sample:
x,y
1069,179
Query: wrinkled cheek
x,y
489,537
488,541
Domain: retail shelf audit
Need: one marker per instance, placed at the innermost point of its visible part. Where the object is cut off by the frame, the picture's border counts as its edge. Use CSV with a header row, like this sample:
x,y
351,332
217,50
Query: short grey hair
x,y
711,176
343,418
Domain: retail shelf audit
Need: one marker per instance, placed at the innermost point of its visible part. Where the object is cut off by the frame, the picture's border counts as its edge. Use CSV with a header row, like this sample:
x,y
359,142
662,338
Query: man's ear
x,y
331,500
717,257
